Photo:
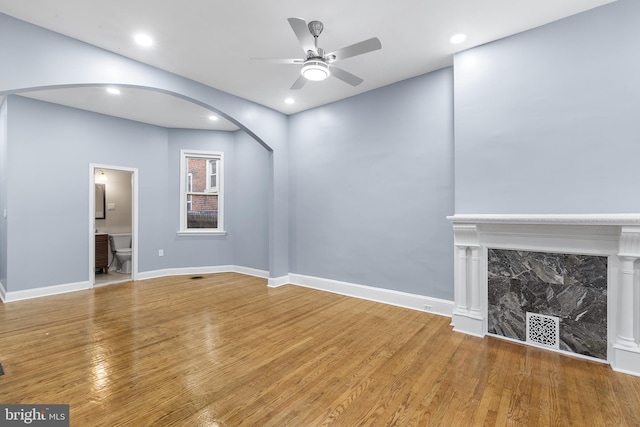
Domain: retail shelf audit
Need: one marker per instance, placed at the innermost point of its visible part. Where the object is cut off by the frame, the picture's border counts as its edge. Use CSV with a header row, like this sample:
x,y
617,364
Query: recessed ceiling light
x,y
113,90
212,117
289,101
143,39
458,38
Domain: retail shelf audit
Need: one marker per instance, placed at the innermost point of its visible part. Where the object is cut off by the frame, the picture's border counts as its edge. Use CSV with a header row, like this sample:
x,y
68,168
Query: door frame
x,y
93,167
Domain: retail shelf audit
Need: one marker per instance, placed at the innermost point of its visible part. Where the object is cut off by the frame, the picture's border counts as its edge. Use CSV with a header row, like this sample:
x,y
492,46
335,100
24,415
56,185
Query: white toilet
x,y
121,250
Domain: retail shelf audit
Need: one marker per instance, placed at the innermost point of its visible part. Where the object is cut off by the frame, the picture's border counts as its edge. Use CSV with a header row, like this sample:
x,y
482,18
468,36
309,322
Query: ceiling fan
x,y
317,64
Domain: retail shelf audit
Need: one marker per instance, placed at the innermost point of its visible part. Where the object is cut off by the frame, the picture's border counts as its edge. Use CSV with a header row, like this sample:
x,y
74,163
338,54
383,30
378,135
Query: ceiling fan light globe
x,y
315,70
315,74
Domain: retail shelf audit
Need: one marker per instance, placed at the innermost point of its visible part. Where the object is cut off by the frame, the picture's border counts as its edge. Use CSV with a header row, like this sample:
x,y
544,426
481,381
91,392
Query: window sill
x,y
201,233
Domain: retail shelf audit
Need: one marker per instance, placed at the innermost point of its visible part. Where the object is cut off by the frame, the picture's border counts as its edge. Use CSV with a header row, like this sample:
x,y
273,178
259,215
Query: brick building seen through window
x,y
202,193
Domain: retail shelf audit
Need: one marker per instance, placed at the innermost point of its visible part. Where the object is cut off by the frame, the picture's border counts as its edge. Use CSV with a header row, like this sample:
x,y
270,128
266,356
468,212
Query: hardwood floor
x,y
225,350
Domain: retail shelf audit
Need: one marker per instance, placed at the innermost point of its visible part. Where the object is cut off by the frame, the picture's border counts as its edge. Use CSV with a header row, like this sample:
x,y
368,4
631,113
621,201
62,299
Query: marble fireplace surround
x,y
616,236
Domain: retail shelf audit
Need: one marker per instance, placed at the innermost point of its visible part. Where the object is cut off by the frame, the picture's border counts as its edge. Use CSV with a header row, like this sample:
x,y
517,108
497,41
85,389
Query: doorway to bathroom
x,y
113,237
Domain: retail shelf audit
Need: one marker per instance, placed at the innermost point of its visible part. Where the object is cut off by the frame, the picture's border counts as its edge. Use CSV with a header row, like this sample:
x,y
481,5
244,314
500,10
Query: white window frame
x,y
184,183
210,189
189,181
188,188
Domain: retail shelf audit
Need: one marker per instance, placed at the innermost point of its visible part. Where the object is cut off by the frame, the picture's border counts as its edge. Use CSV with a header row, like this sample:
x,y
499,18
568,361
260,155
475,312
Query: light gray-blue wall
x,y
3,192
50,150
41,58
548,121
197,251
371,185
51,147
250,197
247,172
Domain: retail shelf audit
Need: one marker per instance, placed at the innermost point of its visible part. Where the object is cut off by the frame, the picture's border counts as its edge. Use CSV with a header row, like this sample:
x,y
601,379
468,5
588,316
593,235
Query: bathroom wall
x,y
118,194
118,204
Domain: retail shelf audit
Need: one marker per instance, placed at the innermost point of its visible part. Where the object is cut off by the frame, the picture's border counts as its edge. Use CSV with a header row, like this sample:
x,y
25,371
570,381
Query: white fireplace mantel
x,y
616,236
540,219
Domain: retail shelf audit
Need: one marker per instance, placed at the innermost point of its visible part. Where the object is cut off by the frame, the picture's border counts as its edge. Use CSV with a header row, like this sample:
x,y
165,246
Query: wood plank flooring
x,y
225,350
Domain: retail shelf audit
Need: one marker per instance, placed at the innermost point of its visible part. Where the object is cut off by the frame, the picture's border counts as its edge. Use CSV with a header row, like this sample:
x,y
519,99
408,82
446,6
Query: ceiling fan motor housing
x,y
315,28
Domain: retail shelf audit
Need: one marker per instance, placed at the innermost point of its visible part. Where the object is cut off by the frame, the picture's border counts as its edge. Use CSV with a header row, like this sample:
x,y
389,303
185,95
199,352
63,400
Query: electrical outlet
x,y
161,252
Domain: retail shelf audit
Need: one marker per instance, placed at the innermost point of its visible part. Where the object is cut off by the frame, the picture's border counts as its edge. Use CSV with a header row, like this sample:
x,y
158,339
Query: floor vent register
x,y
543,330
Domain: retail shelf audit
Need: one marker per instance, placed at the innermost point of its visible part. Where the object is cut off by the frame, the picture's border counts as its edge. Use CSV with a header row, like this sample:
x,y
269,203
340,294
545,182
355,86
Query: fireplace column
x,y
467,314
627,337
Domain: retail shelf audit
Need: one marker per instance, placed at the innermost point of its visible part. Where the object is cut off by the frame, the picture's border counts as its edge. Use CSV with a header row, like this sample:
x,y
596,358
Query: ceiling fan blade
x,y
305,38
345,76
298,84
277,60
356,49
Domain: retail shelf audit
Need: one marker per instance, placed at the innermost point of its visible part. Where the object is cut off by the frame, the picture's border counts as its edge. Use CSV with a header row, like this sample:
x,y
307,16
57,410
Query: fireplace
x,y
568,289
568,283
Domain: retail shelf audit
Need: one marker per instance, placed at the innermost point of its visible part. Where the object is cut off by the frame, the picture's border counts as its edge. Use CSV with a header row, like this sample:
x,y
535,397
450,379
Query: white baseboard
x,y
44,291
386,296
250,271
275,282
467,323
202,270
71,287
626,360
183,271
564,352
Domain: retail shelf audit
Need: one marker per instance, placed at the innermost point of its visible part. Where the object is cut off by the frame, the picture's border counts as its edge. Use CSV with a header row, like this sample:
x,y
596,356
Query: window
x,y
201,199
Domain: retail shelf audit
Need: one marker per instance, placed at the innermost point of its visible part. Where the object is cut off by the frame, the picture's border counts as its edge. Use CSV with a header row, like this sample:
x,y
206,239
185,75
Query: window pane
x,y
197,168
204,211
213,174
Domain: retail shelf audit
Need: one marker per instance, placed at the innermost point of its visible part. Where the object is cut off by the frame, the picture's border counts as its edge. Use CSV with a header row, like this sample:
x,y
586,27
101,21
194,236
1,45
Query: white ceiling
x,y
211,41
